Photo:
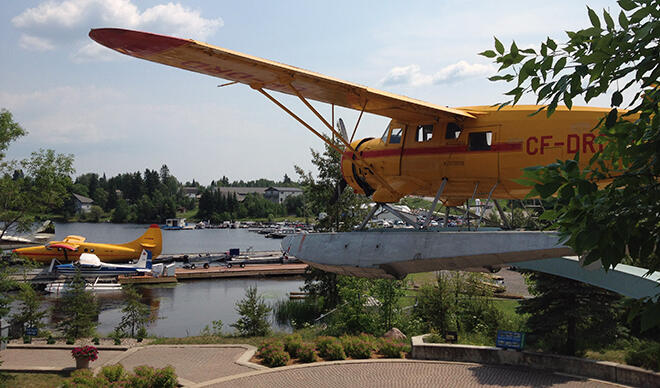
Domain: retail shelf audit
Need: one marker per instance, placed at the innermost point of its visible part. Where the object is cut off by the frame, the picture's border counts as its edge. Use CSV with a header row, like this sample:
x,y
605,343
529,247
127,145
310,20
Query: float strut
x,y
467,205
483,210
400,215
435,202
504,220
373,211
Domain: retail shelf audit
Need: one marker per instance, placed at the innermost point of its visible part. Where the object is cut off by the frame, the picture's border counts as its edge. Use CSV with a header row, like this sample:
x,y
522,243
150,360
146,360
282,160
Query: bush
x,y
357,347
254,312
70,341
272,353
322,344
335,351
646,355
96,341
292,344
392,349
307,353
164,378
112,373
50,340
434,339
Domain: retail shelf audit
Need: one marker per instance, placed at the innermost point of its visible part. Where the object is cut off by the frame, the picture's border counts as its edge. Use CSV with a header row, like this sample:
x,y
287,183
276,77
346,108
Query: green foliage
x,y
273,354
96,341
116,376
357,347
79,308
253,313
568,317
292,344
135,313
322,344
6,284
458,302
29,313
392,349
116,336
50,340
215,331
297,313
608,211
307,353
334,351
30,187
344,211
646,355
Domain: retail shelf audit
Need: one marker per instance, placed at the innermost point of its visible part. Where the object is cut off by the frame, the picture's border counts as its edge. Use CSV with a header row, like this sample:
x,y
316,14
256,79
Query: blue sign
x,y
31,331
510,339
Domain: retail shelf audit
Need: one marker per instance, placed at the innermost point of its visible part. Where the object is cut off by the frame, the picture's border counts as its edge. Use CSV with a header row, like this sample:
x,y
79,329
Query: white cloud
x,y
52,24
412,74
33,43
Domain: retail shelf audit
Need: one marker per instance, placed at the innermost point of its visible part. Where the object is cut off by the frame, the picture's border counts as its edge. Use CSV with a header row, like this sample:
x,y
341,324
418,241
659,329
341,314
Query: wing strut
x,y
358,159
358,120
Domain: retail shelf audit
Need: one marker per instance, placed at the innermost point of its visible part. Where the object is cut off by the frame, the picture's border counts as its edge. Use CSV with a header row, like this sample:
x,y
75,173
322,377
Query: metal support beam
x,y
358,120
502,215
483,209
467,205
446,216
435,202
400,215
373,211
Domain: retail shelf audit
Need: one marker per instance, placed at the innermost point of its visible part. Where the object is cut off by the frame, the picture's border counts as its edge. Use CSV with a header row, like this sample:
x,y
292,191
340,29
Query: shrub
x,y
27,339
392,349
254,312
70,341
164,378
50,340
322,344
335,351
272,353
292,344
356,347
434,339
307,353
96,341
646,355
112,373
116,335
141,333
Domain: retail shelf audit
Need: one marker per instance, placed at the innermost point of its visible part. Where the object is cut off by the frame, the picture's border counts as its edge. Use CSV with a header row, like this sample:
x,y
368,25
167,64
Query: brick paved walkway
x,y
404,374
53,359
192,363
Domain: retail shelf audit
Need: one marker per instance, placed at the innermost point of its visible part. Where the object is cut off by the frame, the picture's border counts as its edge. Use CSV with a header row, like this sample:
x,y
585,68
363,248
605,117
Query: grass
x,y
422,278
35,380
189,214
506,306
613,355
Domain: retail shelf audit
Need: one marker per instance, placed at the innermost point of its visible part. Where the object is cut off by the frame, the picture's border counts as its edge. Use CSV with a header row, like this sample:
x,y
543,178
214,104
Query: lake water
x,y
185,308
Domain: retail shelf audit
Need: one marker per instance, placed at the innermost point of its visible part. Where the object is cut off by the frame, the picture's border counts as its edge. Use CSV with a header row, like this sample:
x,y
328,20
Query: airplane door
x,y
481,156
387,161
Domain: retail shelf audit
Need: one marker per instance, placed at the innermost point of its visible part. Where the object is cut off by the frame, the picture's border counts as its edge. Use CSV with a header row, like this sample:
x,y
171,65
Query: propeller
x,y
342,129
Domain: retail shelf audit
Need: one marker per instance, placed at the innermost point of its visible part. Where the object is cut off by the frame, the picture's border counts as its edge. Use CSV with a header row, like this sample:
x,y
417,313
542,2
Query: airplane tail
x,y
145,259
151,240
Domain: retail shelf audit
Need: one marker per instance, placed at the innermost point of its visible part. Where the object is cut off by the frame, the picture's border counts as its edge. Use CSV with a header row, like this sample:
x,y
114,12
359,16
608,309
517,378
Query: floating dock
x,y
252,270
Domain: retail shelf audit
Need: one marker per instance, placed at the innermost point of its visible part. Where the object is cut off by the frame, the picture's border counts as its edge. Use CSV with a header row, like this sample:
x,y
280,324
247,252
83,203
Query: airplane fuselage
x,y
474,155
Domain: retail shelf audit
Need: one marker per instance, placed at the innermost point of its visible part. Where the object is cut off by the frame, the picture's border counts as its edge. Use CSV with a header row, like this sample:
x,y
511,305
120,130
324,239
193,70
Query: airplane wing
x,y
261,73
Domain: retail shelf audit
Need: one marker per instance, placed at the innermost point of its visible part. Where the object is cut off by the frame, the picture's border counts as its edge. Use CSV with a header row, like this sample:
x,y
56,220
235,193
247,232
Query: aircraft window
x,y
387,132
453,131
479,141
424,132
395,138
85,249
91,250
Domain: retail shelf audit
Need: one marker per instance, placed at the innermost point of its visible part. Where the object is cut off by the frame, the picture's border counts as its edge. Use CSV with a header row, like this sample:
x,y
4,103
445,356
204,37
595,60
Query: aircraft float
x,y
451,154
72,248
90,264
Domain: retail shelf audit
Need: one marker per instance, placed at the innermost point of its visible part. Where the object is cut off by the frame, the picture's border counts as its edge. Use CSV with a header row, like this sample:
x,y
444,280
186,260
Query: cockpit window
x,y
424,132
480,141
385,134
453,131
395,138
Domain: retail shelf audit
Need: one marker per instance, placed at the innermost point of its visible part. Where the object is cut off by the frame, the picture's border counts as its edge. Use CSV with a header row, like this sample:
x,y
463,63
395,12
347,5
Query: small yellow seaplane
x,y
72,247
451,154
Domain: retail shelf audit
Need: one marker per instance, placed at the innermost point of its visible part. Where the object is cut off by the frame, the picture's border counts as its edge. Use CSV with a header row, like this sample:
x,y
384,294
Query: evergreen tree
x,y
567,316
254,313
135,313
29,312
79,309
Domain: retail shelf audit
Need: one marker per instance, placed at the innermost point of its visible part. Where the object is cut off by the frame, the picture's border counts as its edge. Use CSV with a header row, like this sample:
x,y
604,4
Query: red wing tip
x,y
154,226
135,43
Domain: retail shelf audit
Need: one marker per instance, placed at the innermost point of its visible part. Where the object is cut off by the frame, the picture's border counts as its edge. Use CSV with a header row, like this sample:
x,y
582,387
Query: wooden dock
x,y
146,279
254,270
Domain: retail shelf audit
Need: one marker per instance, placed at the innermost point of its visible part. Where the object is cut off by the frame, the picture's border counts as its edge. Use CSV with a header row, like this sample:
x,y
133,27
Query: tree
x,y
29,312
121,212
567,315
617,218
323,195
253,313
79,309
31,187
135,313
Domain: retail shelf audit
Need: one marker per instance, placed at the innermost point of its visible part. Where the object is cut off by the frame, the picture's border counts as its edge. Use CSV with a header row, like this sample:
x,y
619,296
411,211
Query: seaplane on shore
x,y
90,265
73,247
451,154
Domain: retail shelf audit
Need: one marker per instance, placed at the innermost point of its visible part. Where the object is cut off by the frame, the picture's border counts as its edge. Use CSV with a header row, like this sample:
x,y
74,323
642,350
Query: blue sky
x,y
119,114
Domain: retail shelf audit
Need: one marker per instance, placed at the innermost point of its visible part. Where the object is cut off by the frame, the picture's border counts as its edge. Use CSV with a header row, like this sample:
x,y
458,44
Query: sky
x,y
118,114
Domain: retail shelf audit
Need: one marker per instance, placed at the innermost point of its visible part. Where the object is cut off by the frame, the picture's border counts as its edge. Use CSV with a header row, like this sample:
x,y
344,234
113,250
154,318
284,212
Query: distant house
x,y
191,192
241,192
82,203
280,194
